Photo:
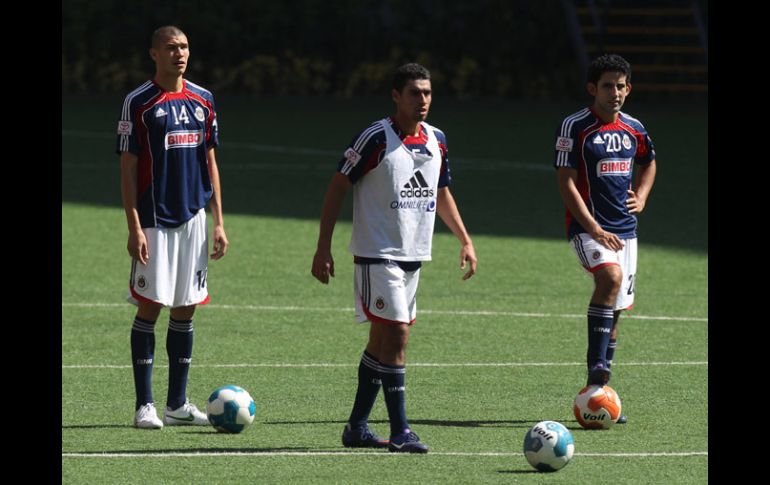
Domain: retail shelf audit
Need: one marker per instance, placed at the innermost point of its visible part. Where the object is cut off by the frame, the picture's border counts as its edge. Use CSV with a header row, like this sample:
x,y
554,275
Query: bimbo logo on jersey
x,y
181,139
613,167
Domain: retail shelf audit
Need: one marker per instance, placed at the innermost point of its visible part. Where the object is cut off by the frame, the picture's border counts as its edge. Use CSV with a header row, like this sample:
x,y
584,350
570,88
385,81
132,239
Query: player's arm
x,y
645,177
323,263
567,178
447,211
215,205
137,242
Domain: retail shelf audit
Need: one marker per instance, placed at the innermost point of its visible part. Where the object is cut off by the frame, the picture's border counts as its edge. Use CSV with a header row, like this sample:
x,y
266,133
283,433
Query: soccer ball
x,y
548,446
597,407
230,409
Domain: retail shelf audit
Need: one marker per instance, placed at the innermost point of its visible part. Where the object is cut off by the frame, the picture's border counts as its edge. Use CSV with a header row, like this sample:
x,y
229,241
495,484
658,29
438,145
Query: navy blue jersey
x,y
604,155
171,134
366,150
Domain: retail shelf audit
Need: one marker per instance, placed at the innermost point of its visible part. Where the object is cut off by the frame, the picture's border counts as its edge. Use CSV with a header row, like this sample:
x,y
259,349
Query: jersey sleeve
x,y
127,138
212,126
645,150
363,154
445,175
566,147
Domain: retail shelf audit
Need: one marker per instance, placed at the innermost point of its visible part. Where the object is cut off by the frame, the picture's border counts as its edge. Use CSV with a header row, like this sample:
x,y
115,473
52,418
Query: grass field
x,y
488,357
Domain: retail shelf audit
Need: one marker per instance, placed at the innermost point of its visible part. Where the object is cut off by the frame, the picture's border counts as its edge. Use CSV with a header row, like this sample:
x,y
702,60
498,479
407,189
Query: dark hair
x,y
162,33
409,72
608,63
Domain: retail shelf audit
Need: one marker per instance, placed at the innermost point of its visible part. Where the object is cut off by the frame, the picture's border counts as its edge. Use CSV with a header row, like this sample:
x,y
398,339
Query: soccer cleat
x,y
622,419
361,438
407,442
599,375
186,414
147,417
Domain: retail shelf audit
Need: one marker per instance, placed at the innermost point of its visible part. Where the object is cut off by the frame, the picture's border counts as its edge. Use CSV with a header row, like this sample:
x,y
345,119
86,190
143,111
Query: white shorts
x,y
385,293
594,256
175,275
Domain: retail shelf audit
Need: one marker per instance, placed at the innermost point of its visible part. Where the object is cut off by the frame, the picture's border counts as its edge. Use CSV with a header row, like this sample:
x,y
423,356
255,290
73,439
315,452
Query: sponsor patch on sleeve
x,y
352,156
125,127
564,144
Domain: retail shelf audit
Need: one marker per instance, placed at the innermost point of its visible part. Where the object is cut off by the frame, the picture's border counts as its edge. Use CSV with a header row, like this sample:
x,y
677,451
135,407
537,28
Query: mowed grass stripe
x,y
428,311
163,454
411,364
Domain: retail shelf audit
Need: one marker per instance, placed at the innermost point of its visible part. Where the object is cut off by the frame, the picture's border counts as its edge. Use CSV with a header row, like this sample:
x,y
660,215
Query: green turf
x,y
268,311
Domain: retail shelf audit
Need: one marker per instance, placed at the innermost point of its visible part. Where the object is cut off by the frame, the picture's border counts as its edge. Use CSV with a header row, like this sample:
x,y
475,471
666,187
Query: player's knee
x,y
610,276
396,335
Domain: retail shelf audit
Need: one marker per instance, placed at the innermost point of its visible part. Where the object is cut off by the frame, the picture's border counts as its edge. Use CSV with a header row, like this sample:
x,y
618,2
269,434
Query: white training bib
x,y
394,204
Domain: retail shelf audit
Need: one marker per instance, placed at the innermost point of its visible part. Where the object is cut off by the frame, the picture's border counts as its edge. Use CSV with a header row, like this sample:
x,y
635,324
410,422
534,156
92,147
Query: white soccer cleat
x,y
147,417
185,415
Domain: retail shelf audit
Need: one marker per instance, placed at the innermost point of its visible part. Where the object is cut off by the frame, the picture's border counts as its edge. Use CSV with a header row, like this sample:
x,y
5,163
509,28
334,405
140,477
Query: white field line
x,y
421,311
162,454
411,364
334,155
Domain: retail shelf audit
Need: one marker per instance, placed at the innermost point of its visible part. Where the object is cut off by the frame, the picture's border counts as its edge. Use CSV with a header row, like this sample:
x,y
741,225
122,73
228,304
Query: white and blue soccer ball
x,y
548,446
230,409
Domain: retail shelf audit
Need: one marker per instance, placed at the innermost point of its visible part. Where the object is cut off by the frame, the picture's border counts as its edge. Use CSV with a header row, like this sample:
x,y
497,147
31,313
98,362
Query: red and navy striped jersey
x,y
604,155
171,134
366,150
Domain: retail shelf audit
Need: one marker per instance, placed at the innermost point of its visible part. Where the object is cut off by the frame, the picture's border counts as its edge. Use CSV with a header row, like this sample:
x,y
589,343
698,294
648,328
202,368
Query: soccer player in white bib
x,y
398,168
596,151
166,138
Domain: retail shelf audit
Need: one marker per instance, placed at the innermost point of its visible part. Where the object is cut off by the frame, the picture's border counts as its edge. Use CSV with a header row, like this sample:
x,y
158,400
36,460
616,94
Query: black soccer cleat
x,y
407,442
361,438
599,375
622,419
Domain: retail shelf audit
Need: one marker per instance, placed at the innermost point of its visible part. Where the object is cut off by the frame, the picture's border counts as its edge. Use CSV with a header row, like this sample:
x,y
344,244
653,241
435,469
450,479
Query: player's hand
x,y
468,254
323,265
220,242
608,240
635,203
138,248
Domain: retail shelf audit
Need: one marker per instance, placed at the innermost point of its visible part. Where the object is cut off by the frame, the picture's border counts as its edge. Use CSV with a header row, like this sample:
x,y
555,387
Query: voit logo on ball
x,y
418,195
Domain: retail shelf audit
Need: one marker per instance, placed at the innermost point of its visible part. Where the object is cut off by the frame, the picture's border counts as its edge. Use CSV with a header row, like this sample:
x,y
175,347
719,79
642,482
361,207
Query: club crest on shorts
x,y
379,303
141,282
596,255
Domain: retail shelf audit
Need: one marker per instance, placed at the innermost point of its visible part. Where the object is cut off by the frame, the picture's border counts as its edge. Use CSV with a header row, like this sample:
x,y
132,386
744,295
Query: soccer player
x,y
399,171
166,138
596,150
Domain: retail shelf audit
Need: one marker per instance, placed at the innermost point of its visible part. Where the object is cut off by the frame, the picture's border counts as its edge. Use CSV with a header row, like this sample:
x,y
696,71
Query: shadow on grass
x,y
212,449
525,423
97,426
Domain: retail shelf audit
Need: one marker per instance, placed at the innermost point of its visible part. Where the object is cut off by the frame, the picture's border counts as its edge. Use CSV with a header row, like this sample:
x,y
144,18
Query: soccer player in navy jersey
x,y
166,138
399,170
596,151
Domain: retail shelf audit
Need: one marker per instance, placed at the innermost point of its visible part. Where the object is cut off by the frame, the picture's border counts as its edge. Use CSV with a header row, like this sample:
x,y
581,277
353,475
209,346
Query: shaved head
x,y
163,33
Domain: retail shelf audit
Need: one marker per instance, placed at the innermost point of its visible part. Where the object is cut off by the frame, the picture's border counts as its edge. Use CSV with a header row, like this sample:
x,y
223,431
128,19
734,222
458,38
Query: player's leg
x,y
622,419
356,433
388,341
600,317
624,300
607,274
613,343
190,245
179,345
142,357
391,337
